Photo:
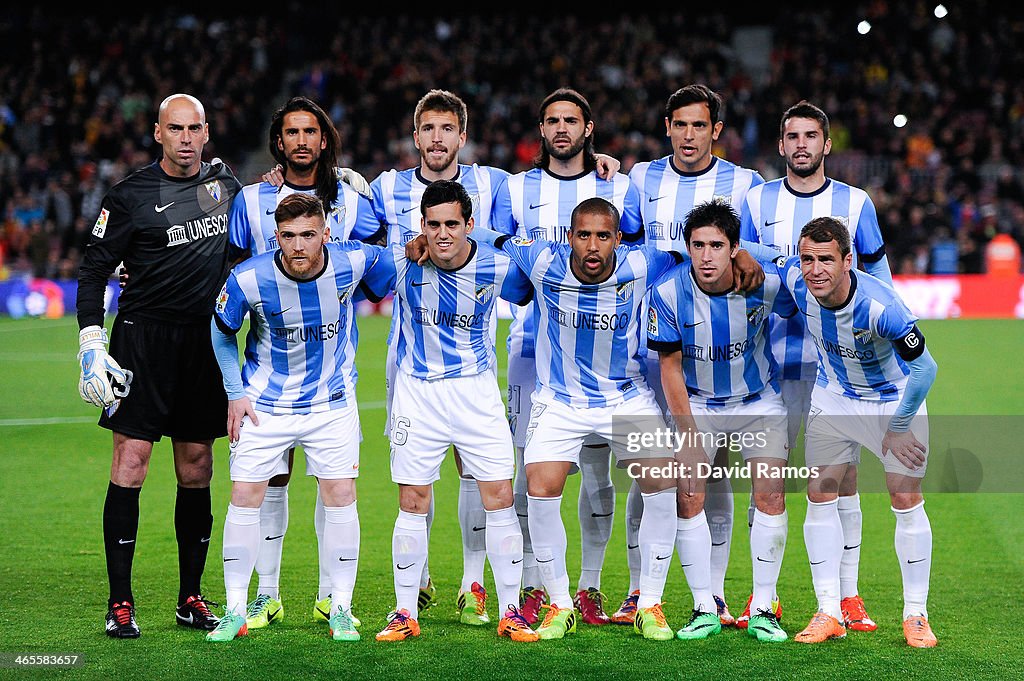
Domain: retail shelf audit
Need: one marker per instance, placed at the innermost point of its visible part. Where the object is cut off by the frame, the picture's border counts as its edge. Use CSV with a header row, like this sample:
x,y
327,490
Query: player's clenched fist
x,y
94,385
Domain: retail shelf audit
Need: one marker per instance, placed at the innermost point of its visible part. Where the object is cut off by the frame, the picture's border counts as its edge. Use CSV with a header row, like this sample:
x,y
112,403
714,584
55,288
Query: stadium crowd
x,y
78,95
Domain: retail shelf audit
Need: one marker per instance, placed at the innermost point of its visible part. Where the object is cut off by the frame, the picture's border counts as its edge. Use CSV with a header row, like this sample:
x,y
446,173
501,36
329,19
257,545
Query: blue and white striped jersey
x,y
251,224
773,214
446,318
397,194
667,195
589,350
723,338
537,204
854,343
301,345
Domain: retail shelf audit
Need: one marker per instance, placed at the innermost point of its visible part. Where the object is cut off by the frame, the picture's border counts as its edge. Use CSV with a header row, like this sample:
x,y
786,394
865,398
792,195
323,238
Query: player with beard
x,y
773,214
303,140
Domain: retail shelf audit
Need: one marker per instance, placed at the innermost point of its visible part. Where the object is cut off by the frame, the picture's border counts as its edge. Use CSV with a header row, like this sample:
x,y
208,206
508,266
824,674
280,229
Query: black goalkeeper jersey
x,y
172,234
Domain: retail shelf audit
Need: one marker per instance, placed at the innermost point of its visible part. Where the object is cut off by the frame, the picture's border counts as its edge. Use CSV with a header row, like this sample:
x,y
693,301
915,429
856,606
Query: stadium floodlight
x,y
864,27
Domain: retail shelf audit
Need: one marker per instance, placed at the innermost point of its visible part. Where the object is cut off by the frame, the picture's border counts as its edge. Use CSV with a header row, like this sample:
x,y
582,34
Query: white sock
x,y
767,547
634,512
241,544
425,574
914,551
693,544
531,574
851,517
823,537
505,552
341,548
656,536
549,545
718,506
408,553
473,523
323,589
273,525
596,513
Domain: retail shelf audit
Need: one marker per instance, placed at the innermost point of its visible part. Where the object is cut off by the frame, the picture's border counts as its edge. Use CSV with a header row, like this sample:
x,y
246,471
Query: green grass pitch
x,y
54,466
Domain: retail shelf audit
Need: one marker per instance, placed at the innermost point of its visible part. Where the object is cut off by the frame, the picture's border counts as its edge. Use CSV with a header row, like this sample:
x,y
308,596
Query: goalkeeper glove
x,y
354,180
102,380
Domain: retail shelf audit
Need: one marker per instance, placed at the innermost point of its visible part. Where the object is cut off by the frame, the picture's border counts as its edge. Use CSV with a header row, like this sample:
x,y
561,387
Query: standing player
x,y
874,373
670,188
719,377
538,204
168,223
446,394
303,140
773,214
297,388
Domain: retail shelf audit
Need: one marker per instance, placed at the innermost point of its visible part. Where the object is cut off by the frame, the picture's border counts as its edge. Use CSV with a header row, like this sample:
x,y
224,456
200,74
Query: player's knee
x,y
414,498
689,504
771,503
904,500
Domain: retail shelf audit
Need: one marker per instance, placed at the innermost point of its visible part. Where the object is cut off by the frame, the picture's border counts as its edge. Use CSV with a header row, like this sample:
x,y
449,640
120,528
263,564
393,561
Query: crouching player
x,y
297,387
874,372
446,394
719,378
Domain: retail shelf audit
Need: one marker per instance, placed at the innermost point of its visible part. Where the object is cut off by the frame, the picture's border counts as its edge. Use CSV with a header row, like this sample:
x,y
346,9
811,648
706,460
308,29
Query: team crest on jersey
x,y
521,241
100,228
652,322
756,315
624,291
475,199
845,219
862,335
655,230
346,295
484,294
222,299
339,213
724,198
214,189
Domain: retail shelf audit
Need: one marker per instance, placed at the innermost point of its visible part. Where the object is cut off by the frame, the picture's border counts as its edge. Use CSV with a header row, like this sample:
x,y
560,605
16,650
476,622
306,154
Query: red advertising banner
x,y
966,296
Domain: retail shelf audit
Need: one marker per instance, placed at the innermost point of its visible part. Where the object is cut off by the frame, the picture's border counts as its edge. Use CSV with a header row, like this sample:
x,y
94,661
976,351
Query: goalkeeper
x,y
168,223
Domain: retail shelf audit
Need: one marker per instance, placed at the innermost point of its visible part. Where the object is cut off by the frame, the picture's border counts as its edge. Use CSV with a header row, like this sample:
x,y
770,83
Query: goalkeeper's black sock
x,y
120,527
193,523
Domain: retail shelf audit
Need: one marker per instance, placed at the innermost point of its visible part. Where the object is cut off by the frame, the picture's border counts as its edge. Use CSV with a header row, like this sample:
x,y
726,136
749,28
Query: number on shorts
x,y
399,432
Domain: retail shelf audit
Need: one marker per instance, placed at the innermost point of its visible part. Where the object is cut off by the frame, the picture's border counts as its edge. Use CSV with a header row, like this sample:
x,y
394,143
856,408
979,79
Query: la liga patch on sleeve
x,y
100,228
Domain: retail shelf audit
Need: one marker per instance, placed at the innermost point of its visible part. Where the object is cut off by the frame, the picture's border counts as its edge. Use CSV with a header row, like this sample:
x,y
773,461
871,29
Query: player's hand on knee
x,y
746,271
102,380
416,250
274,176
237,411
607,166
906,448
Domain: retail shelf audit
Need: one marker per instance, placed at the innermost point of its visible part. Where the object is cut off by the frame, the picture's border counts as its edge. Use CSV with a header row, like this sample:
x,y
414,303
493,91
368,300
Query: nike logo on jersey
x,y
161,209
278,314
125,541
271,211
652,199
533,207
769,224
277,536
409,210
417,283
690,326
404,567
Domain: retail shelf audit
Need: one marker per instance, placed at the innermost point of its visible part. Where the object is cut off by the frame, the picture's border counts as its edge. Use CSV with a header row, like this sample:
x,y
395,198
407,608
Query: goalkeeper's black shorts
x,y
176,389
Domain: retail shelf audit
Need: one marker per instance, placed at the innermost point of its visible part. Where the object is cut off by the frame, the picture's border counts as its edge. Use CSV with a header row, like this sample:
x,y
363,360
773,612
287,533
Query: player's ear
x,y
589,129
156,133
716,130
327,233
668,127
470,224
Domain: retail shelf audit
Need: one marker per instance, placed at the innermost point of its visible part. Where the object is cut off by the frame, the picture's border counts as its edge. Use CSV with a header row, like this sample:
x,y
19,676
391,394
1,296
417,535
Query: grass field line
x,y
37,325
72,420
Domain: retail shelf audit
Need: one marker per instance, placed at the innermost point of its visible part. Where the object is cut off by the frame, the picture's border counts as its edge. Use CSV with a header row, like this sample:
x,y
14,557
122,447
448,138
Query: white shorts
x,y
557,430
330,440
796,395
757,428
430,416
838,426
522,382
